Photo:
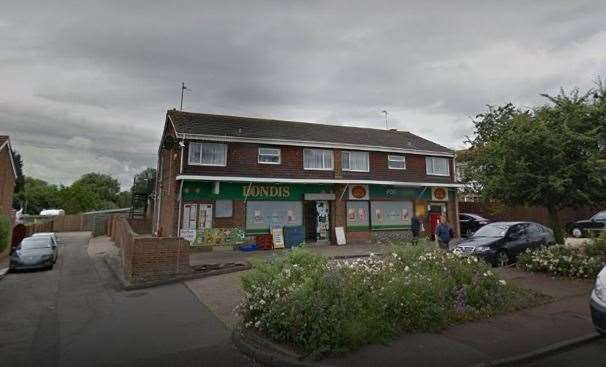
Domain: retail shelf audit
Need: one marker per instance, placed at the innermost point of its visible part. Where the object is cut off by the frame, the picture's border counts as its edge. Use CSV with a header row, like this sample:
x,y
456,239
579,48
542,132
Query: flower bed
x,y
566,261
319,306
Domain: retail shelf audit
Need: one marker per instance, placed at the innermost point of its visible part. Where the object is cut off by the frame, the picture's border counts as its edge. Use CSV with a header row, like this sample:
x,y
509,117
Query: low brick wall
x,y
146,258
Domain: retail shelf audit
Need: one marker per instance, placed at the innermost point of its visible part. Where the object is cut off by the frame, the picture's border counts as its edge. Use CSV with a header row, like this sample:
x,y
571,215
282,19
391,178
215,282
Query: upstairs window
x,y
396,162
355,161
208,154
269,156
437,166
318,159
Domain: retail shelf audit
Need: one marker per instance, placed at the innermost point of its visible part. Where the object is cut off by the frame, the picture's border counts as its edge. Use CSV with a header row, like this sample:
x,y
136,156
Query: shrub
x,y
567,261
320,306
5,228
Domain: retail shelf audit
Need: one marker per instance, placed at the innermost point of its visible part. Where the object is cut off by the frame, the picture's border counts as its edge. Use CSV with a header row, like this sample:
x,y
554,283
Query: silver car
x,y
34,253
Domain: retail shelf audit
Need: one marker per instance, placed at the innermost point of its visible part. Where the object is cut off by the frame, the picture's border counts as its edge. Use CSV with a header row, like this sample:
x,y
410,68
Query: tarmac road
x,y
75,315
587,355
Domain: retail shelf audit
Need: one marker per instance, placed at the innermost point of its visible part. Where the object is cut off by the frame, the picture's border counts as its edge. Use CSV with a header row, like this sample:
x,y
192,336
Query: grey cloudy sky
x,y
85,84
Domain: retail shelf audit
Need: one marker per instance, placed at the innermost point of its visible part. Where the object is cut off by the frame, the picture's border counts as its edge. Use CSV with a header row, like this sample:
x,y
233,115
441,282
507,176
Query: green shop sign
x,y
197,190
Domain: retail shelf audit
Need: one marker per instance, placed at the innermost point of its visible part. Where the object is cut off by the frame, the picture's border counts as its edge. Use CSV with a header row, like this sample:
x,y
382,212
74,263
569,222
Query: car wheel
x,y
501,259
577,233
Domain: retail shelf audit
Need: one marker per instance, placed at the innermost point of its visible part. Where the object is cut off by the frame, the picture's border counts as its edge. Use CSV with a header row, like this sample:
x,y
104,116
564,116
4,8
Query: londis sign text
x,y
269,191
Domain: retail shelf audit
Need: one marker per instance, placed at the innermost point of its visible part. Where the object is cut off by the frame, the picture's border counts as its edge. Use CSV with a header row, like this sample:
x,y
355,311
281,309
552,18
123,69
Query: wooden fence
x,y
533,214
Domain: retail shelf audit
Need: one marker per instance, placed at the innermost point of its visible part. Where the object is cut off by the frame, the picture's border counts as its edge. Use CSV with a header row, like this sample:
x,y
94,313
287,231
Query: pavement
x,y
76,315
587,355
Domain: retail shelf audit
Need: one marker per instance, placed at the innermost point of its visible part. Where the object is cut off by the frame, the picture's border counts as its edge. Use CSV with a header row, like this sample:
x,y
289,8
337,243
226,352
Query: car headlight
x,y
599,292
46,257
482,249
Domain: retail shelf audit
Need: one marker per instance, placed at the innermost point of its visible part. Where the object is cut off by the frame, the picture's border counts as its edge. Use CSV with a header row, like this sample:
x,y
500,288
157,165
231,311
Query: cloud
x,y
88,82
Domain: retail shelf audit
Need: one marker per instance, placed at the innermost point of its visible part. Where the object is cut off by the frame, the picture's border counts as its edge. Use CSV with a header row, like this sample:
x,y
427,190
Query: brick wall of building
x,y
242,160
7,182
167,187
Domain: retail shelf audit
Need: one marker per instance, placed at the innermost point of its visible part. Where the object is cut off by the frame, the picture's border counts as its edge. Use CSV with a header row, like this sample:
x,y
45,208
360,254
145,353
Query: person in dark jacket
x,y
443,233
415,228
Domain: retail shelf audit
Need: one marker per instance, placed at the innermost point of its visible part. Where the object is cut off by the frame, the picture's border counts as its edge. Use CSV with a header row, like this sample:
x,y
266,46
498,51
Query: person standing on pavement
x,y
415,228
443,233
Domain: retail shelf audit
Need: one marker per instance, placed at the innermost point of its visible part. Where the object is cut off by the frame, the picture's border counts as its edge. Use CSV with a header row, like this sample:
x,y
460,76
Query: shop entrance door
x,y
310,220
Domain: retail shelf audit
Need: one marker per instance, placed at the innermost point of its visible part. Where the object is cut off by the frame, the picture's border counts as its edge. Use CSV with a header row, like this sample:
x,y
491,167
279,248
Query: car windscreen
x,y
492,230
33,244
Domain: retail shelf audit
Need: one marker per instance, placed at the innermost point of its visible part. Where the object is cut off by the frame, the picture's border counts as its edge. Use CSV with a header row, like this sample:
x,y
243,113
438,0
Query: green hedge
x,y
5,228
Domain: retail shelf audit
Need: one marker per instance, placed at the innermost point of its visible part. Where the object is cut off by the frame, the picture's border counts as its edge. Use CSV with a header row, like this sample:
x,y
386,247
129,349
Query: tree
x,y
103,185
142,183
79,198
548,156
37,195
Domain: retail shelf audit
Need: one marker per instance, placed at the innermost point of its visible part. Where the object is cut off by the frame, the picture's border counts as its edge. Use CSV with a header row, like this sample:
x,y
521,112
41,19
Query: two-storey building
x,y
228,171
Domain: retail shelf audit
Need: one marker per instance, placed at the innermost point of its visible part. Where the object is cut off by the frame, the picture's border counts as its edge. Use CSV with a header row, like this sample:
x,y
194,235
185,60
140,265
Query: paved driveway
x,y
74,315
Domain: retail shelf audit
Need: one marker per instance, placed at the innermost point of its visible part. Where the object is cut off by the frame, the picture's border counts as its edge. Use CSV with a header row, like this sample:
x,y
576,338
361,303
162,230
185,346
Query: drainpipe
x,y
159,196
179,199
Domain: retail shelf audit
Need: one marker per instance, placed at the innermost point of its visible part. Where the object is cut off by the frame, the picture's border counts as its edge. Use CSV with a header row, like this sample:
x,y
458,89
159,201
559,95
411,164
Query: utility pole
x,y
386,113
183,88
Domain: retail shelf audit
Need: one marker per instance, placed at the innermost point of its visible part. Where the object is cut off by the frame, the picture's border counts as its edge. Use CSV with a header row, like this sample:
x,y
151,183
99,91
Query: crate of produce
x,y
248,247
264,242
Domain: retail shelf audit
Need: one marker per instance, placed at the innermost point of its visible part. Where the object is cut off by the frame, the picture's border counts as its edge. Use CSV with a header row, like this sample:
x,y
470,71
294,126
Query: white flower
x,y
406,268
502,282
257,324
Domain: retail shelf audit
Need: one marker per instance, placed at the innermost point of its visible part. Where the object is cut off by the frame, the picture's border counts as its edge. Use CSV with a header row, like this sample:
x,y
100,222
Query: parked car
x,y
598,303
50,235
33,253
499,243
469,223
582,228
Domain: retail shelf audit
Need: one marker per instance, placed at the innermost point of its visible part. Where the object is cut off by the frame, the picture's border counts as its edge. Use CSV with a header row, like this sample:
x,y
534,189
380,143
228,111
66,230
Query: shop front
x,y
256,208
366,212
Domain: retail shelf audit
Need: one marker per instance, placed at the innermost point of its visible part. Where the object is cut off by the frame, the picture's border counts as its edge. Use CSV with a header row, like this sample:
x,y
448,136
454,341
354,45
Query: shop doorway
x,y
317,222
310,220
435,212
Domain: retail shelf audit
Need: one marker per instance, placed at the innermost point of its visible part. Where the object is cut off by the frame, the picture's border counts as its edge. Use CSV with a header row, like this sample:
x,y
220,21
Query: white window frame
x,y
279,155
189,155
349,163
332,160
389,160
429,166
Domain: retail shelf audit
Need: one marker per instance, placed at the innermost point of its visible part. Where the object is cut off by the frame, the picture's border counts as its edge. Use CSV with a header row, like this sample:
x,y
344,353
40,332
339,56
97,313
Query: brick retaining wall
x,y
146,258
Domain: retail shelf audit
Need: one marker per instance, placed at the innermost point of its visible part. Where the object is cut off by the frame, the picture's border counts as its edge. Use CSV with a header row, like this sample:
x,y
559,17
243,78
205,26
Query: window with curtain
x,y
208,154
320,159
355,161
437,166
396,162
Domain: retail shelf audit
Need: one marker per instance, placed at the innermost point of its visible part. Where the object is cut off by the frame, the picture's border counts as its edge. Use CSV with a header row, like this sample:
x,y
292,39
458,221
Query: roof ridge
x,y
292,121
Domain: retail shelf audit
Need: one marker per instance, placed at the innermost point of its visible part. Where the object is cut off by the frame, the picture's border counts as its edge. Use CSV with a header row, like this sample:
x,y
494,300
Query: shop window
x,y
207,154
437,166
190,213
269,156
355,161
262,215
396,162
318,159
357,216
224,208
388,215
